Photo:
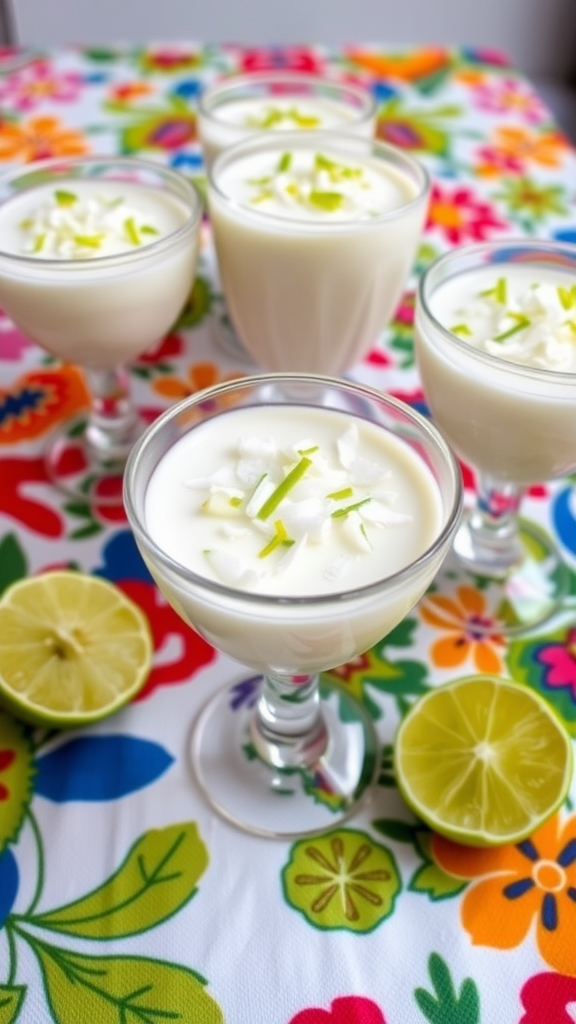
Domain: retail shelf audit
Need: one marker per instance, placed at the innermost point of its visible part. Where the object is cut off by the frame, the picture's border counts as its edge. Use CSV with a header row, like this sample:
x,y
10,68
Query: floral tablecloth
x,y
123,898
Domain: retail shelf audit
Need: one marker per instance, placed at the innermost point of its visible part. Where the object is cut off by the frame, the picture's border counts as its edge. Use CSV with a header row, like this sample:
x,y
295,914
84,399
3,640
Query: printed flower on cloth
x,y
469,631
519,893
461,216
39,137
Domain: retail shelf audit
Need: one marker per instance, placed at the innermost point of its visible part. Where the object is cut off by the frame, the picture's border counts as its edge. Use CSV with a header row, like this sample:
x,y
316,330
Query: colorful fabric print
x,y
168,60
165,129
530,203
408,66
548,997
421,131
16,778
505,95
342,880
37,83
520,891
345,1010
470,634
40,400
458,214
548,665
514,150
13,344
292,58
199,376
39,137
20,476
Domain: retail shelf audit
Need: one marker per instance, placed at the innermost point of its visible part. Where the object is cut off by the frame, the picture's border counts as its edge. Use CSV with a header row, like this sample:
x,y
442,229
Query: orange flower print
x,y
39,137
515,148
470,632
531,886
199,376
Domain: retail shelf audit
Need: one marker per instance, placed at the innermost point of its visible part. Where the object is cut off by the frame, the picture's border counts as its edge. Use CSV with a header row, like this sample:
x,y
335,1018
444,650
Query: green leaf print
x,y
447,1006
430,878
16,778
11,999
158,876
12,561
122,989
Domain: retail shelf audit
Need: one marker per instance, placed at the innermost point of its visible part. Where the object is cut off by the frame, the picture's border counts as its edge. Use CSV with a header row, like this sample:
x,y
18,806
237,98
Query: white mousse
x,y
283,571
66,296
314,246
504,391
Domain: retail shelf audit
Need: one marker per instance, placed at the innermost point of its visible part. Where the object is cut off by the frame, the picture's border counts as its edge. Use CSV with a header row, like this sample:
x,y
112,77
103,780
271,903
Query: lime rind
x,y
483,760
73,649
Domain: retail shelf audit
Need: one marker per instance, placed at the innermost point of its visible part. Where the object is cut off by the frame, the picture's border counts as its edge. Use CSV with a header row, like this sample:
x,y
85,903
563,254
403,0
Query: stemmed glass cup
x,y
311,280
279,753
507,405
92,305
232,109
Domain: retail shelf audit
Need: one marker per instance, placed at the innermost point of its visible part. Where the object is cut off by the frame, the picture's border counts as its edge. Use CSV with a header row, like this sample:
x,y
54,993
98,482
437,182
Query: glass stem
x,y
288,729
112,422
488,541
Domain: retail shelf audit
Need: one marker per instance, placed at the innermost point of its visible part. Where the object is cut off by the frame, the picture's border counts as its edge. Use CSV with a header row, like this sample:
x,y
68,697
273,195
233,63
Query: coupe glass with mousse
x,y
97,258
292,521
496,348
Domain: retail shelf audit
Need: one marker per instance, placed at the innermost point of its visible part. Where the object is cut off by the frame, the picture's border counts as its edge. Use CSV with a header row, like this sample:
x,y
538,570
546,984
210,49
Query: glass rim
x,y
185,188
475,252
233,83
424,426
306,139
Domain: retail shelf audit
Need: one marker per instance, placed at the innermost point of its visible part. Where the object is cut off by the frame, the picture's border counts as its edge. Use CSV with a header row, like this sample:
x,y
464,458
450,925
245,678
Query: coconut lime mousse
x,y
495,331
292,521
62,290
315,236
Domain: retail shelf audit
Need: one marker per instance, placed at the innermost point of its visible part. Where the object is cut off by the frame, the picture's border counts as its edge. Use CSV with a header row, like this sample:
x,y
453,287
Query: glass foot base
x,y
283,803
82,475
524,595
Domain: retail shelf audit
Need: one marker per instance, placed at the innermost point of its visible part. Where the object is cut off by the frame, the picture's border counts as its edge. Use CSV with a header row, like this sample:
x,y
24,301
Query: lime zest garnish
x,y
567,296
346,492
147,229
284,488
309,451
260,182
262,196
335,170
498,292
64,198
462,329
280,538
132,231
26,223
89,241
522,322
328,201
39,243
236,502
341,512
571,324
284,163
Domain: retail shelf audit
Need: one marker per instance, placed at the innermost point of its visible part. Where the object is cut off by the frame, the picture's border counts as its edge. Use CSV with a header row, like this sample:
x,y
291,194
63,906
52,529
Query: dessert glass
x,y
515,423
312,294
100,312
275,101
299,757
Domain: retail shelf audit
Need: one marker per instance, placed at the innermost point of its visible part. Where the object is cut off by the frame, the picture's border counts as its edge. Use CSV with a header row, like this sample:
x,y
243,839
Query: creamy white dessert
x,y
299,503
315,238
503,386
86,268
231,110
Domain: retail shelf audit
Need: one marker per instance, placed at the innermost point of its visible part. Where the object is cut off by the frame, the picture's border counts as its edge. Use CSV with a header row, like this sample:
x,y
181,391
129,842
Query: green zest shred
x,y
132,231
341,512
284,163
39,243
64,198
522,322
89,241
462,329
498,292
326,200
567,296
346,492
284,488
280,538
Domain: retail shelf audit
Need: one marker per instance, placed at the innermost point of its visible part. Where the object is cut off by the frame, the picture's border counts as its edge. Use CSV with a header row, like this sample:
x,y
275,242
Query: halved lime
x,y
73,649
483,760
